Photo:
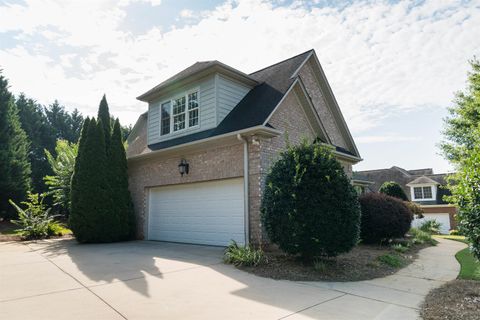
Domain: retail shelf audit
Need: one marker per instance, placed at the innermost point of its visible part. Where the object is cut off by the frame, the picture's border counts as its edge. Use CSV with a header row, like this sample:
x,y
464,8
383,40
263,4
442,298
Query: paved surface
x,y
61,279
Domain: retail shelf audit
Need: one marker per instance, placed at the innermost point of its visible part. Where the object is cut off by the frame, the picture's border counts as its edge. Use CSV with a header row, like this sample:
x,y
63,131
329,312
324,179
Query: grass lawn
x,y
470,267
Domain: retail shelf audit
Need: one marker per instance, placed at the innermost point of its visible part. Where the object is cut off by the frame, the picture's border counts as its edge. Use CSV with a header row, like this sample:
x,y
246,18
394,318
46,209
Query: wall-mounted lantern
x,y
183,167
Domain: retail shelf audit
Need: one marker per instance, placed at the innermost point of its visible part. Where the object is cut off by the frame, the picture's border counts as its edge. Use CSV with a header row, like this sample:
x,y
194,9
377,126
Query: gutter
x,y
245,188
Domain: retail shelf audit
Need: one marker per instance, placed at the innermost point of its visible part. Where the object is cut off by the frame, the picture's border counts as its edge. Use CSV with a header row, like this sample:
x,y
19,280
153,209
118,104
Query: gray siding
x,y
207,105
229,94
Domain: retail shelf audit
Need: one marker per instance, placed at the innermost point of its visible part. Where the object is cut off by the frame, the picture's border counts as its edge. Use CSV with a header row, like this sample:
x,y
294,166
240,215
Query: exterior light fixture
x,y
183,167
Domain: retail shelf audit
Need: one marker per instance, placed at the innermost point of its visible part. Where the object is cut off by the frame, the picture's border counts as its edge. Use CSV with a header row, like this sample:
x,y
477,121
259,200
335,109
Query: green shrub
x,y
320,266
309,206
35,219
400,248
431,226
393,189
391,260
243,256
455,232
57,229
421,237
383,218
416,210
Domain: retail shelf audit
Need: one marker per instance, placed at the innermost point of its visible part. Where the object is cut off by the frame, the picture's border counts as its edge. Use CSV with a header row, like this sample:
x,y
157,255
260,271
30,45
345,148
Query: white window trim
x,y
187,114
434,192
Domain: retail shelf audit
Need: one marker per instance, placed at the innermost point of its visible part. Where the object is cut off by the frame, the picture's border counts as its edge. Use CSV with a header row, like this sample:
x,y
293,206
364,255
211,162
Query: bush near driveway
x,y
383,218
309,206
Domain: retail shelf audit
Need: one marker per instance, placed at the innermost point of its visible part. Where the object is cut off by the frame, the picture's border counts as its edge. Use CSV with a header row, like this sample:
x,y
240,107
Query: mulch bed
x,y
359,264
458,299
6,226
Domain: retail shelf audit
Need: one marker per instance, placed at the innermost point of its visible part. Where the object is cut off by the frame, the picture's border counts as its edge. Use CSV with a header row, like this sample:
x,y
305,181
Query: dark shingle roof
x,y
257,104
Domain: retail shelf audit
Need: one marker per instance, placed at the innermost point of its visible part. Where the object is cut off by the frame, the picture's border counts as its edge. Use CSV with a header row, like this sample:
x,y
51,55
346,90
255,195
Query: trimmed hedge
x,y
309,206
383,218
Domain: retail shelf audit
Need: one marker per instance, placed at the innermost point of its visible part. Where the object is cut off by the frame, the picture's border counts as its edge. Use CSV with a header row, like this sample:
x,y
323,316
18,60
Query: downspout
x,y
245,188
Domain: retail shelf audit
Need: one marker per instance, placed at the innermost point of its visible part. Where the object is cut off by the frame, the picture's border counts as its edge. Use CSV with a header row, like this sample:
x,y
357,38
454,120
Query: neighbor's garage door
x,y
201,213
443,218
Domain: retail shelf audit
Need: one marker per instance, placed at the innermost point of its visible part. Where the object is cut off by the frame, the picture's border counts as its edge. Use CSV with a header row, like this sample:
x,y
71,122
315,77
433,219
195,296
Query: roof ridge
x,y
285,60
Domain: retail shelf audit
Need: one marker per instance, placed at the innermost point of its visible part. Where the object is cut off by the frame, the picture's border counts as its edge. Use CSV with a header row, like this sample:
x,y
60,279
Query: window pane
x,y
193,100
417,192
179,122
179,106
165,123
427,192
193,118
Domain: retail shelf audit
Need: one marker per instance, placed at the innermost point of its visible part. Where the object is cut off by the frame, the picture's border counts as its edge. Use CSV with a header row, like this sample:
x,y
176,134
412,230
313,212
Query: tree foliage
x,y
393,189
14,147
309,206
59,183
462,148
383,218
101,206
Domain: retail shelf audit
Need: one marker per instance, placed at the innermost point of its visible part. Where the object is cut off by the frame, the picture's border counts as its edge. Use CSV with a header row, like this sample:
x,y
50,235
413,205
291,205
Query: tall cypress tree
x,y
104,115
119,183
14,147
90,218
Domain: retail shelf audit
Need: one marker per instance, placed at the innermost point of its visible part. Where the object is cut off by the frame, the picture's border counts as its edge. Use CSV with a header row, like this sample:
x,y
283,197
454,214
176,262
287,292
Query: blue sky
x,y
393,65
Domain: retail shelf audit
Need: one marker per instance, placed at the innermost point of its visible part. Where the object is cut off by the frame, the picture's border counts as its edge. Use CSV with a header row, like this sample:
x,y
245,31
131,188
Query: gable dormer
x,y
195,100
423,189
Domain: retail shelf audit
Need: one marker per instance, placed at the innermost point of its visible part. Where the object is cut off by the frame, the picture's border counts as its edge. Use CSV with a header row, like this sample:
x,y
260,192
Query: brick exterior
x,y
311,83
224,162
221,162
452,211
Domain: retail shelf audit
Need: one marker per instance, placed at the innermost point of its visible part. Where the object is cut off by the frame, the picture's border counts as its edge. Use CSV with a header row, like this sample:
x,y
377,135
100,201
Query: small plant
x,y
320,266
391,260
57,229
421,237
35,219
431,226
243,256
400,248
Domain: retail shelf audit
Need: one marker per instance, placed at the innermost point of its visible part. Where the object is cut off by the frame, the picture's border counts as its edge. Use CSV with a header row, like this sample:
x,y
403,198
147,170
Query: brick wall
x,y
210,164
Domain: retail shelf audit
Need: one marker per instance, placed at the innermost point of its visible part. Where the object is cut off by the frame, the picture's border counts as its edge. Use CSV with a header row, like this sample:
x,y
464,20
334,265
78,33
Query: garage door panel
x,y
204,213
442,218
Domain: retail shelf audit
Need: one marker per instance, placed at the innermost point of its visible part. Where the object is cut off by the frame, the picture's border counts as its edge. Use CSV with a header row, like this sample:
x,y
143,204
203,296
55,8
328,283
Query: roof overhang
x,y
216,67
223,139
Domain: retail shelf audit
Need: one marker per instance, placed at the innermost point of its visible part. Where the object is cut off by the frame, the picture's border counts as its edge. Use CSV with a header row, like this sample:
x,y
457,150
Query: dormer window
x,y
179,113
422,193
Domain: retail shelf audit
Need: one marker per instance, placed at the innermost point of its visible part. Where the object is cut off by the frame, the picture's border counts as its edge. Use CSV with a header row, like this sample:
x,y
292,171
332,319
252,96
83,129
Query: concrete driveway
x,y
61,279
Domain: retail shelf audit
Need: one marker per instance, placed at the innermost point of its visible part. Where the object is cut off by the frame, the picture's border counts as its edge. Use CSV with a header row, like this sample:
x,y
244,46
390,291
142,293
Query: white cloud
x,y
385,138
380,58
186,13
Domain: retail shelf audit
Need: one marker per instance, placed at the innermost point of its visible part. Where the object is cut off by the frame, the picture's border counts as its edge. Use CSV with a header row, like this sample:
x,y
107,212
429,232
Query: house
x,y
421,186
199,156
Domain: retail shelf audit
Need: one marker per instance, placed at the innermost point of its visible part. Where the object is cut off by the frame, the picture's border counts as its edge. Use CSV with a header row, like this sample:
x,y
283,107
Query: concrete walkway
x,y
151,280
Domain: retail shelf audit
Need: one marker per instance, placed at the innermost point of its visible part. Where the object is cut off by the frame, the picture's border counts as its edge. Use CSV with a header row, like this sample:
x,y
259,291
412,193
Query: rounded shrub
x,y
393,189
309,206
383,218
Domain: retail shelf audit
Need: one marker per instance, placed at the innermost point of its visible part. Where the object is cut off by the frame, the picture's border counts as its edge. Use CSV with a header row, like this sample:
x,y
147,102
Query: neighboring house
x,y
199,156
421,186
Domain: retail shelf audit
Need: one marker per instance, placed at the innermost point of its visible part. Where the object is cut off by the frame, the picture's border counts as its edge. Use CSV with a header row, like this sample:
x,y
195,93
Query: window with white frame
x,y
422,193
165,123
179,113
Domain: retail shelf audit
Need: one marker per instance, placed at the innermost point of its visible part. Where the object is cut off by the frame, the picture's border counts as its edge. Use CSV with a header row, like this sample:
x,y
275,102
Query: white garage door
x,y
201,213
443,218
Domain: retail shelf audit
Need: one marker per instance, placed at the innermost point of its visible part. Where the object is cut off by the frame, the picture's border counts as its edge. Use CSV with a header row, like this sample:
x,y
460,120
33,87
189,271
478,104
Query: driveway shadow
x,y
98,264
197,278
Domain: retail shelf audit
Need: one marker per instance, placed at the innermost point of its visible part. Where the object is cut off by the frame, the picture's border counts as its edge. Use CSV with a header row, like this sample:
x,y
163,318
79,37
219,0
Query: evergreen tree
x,y
393,189
14,148
104,115
91,217
41,135
122,200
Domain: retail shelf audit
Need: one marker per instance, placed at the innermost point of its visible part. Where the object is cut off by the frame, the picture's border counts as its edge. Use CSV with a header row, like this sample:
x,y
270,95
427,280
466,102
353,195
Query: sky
x,y
394,66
